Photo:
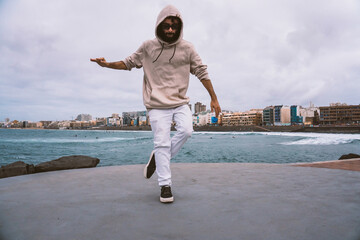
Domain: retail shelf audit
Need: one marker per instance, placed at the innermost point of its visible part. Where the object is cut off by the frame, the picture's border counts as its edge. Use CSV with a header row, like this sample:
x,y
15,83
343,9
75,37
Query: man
x,y
167,62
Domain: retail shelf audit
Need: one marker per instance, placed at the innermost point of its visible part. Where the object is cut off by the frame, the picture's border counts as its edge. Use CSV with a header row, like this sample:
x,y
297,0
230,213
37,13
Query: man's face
x,y
170,27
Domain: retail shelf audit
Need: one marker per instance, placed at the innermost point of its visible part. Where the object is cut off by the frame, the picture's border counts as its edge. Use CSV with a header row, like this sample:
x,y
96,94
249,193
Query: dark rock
x,y
16,169
349,156
68,162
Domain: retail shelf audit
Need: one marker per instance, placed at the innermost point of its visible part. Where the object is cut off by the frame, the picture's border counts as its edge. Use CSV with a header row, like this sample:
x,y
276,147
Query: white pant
x,y
164,146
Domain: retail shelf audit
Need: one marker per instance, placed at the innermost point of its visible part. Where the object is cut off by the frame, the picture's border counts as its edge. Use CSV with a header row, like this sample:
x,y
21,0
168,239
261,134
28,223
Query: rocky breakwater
x,y
349,156
63,163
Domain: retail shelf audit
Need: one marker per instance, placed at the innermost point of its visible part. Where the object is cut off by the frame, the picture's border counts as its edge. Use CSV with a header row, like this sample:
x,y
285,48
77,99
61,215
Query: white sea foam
x,y
298,138
285,138
318,141
226,133
321,139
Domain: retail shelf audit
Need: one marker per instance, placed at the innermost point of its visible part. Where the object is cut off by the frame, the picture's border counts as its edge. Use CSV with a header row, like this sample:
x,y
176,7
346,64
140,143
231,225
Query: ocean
x,y
134,147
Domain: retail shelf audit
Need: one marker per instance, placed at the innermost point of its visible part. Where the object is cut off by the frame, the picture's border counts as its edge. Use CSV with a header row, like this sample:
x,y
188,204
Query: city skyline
x,y
81,115
337,114
258,54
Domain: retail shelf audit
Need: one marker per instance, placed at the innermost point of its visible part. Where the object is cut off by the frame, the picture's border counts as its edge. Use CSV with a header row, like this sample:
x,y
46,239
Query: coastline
x,y
315,129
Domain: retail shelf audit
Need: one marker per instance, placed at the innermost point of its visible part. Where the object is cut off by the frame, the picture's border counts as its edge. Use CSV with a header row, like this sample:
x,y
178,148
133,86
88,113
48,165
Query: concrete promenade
x,y
212,201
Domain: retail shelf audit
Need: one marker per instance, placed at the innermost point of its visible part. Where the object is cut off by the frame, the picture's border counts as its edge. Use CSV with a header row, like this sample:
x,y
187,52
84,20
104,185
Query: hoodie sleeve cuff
x,y
129,64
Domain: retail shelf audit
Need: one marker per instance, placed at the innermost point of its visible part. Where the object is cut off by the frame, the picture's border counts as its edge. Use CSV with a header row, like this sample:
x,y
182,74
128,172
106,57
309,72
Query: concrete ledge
x,y
350,164
212,201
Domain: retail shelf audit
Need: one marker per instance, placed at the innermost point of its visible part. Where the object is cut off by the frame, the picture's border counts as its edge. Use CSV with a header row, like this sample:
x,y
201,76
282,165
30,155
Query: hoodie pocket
x,y
164,97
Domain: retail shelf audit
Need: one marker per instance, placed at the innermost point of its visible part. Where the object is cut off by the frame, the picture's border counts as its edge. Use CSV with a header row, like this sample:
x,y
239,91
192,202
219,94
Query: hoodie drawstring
x,y
173,54
162,48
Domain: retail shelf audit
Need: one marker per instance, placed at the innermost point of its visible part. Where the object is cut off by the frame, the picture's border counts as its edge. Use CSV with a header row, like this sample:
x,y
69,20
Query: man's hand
x,y
214,104
115,65
101,61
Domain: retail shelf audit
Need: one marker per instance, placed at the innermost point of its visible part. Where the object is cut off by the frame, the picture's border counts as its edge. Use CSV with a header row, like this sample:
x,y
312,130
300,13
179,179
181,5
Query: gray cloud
x,y
259,53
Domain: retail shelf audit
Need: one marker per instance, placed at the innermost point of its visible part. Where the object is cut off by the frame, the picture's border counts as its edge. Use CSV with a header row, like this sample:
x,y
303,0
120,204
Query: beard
x,y
168,37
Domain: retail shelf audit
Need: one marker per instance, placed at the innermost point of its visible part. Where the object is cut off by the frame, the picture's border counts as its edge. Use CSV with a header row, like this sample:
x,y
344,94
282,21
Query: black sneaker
x,y
166,195
150,166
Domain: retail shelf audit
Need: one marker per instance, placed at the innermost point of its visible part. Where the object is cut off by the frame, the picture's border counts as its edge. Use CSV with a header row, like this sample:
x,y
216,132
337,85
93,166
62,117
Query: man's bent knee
x,y
186,133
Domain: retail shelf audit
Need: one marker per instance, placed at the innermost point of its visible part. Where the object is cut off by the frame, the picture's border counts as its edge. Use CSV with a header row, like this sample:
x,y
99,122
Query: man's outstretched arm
x,y
115,65
214,104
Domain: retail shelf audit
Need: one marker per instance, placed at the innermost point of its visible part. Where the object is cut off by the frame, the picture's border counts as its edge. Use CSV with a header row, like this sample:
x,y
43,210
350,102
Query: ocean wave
x,y
325,139
297,138
319,141
227,133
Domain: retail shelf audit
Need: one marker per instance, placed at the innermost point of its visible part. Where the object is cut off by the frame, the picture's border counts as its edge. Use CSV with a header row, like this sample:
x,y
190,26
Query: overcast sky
x,y
259,53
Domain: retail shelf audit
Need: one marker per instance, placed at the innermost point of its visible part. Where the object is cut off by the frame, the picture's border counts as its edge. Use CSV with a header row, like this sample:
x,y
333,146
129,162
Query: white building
x,y
203,118
114,121
308,114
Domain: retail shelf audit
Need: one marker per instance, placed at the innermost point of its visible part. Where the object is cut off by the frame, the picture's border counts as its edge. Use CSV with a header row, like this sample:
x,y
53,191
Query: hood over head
x,y
168,11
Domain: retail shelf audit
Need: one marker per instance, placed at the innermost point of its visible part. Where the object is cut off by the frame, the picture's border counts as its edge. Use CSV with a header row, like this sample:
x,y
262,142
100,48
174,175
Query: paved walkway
x,y
212,201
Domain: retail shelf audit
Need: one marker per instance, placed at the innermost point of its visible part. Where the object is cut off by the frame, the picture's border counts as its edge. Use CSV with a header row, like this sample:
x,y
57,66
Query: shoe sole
x,y
167,200
148,172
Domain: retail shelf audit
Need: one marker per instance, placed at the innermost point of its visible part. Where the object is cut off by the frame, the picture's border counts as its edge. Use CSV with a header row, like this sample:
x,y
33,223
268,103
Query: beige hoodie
x,y
167,67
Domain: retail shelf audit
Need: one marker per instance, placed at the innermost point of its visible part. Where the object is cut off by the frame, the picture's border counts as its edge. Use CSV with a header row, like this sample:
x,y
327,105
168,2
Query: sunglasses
x,y
166,26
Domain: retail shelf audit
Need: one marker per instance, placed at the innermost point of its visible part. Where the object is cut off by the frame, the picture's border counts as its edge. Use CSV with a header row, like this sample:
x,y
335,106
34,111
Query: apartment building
x,y
199,107
277,114
295,115
252,117
135,118
268,116
340,114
